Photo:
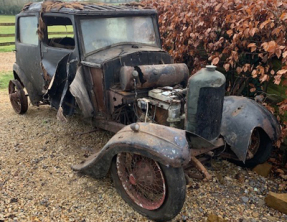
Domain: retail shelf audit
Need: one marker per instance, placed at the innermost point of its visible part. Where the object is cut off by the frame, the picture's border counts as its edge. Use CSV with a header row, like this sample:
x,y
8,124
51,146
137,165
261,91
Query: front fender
x,y
239,118
163,144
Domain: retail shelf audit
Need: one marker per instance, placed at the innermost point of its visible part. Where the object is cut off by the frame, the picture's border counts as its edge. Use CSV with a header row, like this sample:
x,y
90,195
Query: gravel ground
x,y
7,59
37,183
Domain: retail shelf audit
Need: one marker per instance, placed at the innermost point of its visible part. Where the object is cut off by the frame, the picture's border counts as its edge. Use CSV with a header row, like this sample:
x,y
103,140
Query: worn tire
x,y
175,193
264,150
17,97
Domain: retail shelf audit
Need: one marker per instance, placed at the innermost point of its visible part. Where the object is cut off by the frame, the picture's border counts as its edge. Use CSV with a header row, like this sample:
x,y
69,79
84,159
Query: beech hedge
x,y
245,39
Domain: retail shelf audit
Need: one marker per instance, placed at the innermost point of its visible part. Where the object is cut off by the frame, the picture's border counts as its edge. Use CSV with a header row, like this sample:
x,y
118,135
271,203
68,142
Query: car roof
x,y
81,8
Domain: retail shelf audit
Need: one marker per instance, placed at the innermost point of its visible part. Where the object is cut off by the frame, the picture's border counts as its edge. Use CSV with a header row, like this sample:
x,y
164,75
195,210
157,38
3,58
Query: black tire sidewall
x,y
175,196
263,153
24,102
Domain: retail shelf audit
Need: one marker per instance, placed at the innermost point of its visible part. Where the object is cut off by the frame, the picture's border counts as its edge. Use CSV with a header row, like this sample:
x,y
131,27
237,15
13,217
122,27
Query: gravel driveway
x,y
37,183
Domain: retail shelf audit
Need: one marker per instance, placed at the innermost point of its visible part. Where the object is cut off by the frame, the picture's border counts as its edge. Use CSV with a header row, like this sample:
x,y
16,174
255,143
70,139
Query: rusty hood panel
x,y
164,144
239,118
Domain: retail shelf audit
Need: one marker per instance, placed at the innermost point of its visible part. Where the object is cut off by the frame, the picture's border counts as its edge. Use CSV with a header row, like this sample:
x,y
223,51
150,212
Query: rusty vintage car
x,y
109,64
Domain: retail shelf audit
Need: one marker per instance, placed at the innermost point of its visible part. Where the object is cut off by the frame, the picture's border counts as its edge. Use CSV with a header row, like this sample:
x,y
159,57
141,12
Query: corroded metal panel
x,y
240,117
153,76
166,145
98,88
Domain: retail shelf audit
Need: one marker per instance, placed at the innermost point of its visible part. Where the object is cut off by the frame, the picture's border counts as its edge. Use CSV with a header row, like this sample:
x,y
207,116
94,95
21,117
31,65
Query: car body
x,y
108,64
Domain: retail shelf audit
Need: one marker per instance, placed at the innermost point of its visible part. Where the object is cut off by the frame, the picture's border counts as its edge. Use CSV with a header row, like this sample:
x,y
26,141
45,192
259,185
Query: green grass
x,y
9,48
5,77
7,30
7,18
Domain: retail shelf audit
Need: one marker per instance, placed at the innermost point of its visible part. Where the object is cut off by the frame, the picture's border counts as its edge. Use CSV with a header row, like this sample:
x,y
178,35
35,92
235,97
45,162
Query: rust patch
x,y
150,76
109,125
98,88
41,29
161,115
237,111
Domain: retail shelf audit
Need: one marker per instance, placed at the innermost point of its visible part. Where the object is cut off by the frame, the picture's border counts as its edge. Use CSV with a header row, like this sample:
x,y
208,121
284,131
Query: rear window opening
x,y
59,33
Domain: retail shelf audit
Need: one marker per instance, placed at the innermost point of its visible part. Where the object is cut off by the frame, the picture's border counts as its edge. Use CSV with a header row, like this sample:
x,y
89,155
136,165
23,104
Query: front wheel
x,y
152,189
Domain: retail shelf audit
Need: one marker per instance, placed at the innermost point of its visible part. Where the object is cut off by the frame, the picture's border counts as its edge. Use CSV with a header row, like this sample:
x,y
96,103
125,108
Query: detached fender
x,y
32,91
239,118
163,144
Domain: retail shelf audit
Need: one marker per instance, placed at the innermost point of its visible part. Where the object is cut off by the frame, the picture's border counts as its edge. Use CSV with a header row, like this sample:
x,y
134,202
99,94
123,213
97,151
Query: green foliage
x,y
5,77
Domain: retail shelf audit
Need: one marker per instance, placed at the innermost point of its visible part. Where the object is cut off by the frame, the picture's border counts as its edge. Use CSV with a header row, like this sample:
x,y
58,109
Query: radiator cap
x,y
211,67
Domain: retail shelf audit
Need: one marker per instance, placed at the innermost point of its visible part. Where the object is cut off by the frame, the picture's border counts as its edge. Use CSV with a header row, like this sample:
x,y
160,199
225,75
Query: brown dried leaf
x,y
276,31
215,61
253,31
277,79
230,32
252,47
282,72
272,46
265,46
263,24
283,16
218,7
252,90
264,78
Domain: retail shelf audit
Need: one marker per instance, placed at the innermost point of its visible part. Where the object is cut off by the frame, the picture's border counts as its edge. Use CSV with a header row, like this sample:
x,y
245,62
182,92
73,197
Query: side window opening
x,y
28,30
60,33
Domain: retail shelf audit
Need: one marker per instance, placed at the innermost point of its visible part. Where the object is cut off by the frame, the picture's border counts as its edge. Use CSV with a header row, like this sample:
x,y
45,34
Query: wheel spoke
x,y
17,97
13,96
142,179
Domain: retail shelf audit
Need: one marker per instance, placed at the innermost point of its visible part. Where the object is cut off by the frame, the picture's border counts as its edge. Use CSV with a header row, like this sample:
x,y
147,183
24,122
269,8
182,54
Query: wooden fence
x,y
7,35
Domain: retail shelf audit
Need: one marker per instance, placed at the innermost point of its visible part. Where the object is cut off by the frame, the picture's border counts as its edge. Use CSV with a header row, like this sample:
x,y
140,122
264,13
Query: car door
x,y
58,41
28,54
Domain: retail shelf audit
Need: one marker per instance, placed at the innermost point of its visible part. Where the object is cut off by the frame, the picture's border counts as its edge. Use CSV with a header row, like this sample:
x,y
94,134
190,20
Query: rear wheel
x,y
17,97
259,149
151,188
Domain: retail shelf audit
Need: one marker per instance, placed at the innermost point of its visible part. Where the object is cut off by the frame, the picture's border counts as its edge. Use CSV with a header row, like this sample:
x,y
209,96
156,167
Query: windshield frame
x,y
81,38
